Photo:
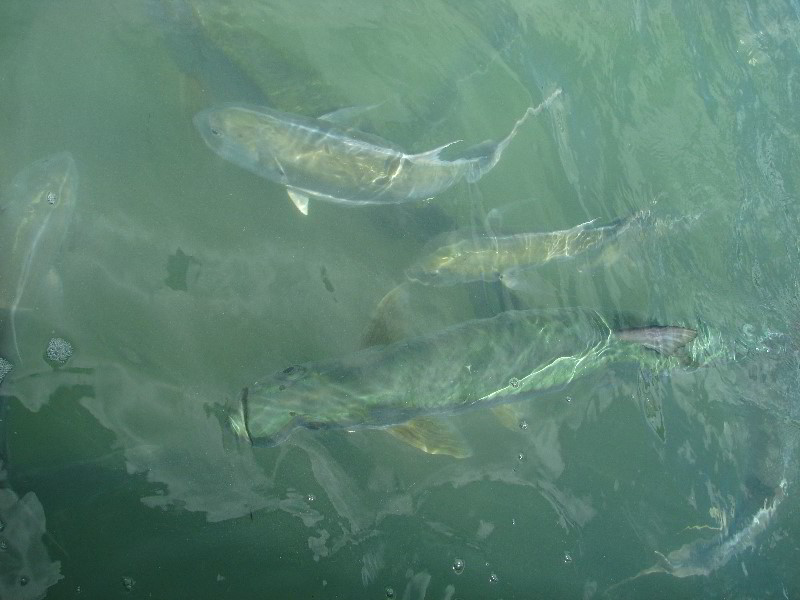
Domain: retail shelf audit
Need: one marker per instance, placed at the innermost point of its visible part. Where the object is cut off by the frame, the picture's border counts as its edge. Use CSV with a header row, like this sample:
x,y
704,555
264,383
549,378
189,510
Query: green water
x,y
184,278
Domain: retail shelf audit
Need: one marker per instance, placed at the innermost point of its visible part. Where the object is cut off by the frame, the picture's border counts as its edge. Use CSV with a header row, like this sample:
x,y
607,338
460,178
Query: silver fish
x,y
319,158
461,258
32,231
480,363
703,557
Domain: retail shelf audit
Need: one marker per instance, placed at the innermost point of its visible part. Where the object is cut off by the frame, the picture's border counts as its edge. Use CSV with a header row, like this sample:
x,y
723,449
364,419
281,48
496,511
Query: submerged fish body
x,y
704,556
463,258
319,158
33,226
479,363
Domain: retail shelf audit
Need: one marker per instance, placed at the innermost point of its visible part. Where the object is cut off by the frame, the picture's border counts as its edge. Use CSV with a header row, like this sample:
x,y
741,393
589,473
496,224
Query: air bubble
x,y
3,545
58,352
23,580
458,566
569,398
523,424
521,456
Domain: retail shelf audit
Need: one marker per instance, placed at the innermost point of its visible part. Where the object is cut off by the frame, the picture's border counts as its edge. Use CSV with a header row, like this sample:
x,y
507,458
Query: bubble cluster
x,y
567,558
389,592
59,351
311,497
5,367
493,578
458,566
514,382
523,424
128,583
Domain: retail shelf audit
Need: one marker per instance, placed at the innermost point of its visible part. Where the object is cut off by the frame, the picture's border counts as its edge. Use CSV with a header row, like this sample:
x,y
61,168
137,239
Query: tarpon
x,y
33,226
322,159
479,363
704,556
461,258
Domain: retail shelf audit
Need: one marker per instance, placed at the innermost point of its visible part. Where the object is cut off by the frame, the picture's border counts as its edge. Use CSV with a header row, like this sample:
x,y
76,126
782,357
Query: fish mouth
x,y
241,422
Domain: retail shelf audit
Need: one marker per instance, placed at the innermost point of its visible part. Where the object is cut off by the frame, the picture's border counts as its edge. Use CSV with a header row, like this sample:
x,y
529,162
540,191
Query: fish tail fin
x,y
664,340
483,164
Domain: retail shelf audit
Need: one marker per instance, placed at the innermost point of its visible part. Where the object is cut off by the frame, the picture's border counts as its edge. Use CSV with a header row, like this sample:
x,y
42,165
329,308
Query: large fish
x,y
704,556
459,257
321,159
479,363
33,226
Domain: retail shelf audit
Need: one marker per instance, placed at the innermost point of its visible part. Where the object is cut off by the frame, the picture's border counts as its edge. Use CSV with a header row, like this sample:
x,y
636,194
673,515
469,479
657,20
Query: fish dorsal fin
x,y
433,436
299,199
346,115
664,340
430,154
346,119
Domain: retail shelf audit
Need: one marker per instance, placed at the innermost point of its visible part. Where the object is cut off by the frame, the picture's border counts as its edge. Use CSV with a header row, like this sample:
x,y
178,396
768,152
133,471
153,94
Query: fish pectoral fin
x,y
436,151
299,199
344,116
509,415
434,436
653,412
664,340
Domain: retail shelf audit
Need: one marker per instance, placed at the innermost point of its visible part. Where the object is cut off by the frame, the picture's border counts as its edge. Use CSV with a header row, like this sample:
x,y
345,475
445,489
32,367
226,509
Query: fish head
x,y
287,400
248,137
430,270
445,265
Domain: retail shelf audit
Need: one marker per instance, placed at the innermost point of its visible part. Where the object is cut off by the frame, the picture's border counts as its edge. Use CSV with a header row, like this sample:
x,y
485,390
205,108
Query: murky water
x,y
177,278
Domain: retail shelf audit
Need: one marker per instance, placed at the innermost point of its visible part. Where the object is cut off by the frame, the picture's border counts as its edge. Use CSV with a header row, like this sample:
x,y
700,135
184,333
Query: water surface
x,y
184,278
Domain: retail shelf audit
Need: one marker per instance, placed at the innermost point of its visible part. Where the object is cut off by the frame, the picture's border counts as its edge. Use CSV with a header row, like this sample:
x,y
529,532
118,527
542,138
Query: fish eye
x,y
215,131
288,370
281,387
292,413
